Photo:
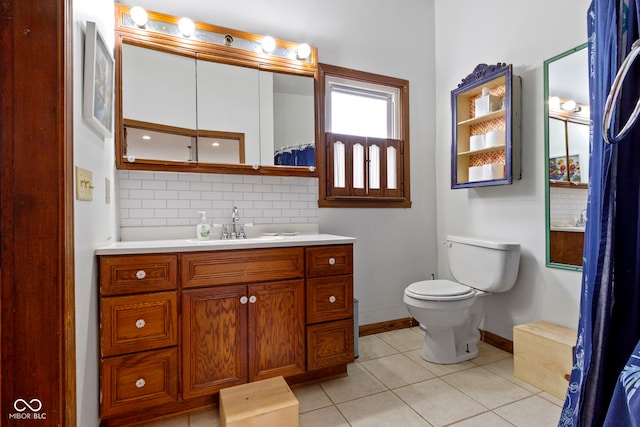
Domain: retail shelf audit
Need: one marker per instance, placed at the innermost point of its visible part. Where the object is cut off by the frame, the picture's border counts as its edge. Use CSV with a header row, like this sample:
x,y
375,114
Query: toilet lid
x,y
439,290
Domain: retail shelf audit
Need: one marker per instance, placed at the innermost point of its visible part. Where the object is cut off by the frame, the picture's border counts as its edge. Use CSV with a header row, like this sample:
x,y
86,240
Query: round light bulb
x,y
139,16
186,26
570,105
268,44
304,50
554,102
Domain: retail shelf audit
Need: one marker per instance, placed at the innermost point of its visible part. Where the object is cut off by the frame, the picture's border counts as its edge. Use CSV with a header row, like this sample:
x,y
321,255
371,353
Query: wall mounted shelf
x,y
485,149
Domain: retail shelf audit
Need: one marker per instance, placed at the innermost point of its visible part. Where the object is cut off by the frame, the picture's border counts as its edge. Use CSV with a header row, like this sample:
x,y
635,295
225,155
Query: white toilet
x,y
451,311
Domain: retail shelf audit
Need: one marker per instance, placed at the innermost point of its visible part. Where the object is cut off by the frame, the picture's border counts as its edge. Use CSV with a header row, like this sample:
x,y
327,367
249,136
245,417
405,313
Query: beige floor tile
x,y
403,339
324,417
533,411
181,421
358,383
504,368
438,402
488,353
485,387
485,420
371,347
551,398
380,410
310,397
397,370
209,418
435,368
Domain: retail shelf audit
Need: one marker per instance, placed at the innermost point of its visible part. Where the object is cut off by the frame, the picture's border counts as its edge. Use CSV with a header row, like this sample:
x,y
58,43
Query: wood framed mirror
x,y
211,102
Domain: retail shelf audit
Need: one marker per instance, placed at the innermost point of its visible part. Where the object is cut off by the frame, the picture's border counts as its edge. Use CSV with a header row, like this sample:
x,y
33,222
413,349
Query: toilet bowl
x,y
451,311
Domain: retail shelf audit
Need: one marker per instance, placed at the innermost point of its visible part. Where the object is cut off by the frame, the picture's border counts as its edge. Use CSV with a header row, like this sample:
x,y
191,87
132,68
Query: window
x,y
364,121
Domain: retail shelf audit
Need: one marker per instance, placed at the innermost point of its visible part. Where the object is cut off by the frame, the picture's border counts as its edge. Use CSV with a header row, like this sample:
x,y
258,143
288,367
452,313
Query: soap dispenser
x,y
203,230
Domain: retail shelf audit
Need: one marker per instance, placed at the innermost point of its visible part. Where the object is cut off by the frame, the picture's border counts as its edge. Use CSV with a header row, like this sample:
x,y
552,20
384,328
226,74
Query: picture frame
x,y
98,82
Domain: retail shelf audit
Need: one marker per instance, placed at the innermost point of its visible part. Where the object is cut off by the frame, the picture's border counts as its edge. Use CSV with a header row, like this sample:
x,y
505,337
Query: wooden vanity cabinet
x,y
138,332
566,247
246,332
330,326
214,319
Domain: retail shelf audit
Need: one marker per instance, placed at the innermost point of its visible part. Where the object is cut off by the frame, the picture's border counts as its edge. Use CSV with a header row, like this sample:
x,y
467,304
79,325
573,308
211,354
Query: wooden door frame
x,y
37,308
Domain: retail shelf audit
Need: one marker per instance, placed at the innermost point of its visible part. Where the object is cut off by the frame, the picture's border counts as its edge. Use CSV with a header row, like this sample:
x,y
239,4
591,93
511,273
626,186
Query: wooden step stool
x,y
263,403
543,355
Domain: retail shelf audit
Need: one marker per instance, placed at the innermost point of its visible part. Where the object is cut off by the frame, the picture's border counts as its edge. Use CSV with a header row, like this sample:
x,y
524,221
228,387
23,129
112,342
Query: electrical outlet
x,y
107,191
84,184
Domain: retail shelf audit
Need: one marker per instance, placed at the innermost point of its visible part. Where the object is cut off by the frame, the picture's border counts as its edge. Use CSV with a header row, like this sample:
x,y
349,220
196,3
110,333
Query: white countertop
x,y
193,245
573,229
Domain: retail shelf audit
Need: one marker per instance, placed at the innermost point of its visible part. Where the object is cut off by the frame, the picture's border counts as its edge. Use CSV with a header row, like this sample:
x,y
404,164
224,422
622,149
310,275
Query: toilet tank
x,y
482,264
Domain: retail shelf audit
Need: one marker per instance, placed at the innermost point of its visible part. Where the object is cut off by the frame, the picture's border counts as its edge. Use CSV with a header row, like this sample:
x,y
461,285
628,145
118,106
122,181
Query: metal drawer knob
x,y
140,383
140,323
141,274
332,261
332,299
243,299
252,299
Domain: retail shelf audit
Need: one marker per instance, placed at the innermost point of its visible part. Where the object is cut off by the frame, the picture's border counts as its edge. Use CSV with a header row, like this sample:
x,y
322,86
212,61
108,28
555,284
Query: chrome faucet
x,y
582,221
237,230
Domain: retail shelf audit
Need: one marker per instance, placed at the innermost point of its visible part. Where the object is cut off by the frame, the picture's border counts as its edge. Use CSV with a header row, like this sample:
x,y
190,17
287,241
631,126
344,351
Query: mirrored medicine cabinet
x,y
211,102
567,118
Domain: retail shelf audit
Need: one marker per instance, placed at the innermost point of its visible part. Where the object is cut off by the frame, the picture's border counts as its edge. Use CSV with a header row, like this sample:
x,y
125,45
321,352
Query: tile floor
x,y
391,385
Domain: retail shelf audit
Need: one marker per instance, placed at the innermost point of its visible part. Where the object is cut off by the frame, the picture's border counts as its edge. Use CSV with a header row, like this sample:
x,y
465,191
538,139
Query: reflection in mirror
x,y
221,107
228,100
567,151
158,87
293,120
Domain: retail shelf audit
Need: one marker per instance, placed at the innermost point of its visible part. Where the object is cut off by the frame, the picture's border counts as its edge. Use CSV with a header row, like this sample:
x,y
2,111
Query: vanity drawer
x,y
329,298
329,344
138,381
241,266
329,260
138,322
130,274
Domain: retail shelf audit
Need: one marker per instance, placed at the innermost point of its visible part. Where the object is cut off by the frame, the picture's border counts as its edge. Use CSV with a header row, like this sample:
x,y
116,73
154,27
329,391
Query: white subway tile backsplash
x,y
150,199
154,185
567,203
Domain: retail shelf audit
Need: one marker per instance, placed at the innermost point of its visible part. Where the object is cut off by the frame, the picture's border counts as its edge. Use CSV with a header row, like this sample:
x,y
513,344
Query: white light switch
x,y
84,184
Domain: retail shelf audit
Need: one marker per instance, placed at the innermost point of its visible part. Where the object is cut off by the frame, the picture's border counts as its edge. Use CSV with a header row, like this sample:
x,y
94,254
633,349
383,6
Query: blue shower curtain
x,y
606,372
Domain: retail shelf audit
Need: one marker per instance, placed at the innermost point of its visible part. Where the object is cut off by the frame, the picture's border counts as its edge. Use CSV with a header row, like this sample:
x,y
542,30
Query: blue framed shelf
x,y
485,148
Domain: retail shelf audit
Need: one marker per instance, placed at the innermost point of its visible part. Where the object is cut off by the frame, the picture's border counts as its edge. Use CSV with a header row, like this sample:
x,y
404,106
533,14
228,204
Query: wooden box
x,y
268,402
543,355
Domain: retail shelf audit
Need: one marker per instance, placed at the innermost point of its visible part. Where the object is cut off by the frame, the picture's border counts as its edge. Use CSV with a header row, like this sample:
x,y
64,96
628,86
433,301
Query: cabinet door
x,y
276,329
214,339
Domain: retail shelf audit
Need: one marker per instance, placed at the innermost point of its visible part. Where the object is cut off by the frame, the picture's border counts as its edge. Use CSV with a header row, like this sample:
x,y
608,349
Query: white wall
x,y
95,222
523,34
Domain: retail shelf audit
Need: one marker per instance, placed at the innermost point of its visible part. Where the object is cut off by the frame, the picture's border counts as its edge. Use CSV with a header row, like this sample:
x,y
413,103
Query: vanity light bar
x,y
301,53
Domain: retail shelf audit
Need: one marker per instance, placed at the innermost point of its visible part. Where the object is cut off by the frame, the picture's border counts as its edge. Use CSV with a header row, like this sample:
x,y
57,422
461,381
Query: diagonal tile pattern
x,y
391,385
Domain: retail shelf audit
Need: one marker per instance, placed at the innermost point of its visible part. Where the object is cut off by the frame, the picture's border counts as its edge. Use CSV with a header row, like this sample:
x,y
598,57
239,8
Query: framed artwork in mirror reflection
x,y
98,82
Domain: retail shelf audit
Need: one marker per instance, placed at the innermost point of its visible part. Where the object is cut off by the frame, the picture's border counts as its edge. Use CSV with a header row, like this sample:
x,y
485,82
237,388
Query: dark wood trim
x,y
496,341
390,325
325,174
408,322
36,222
